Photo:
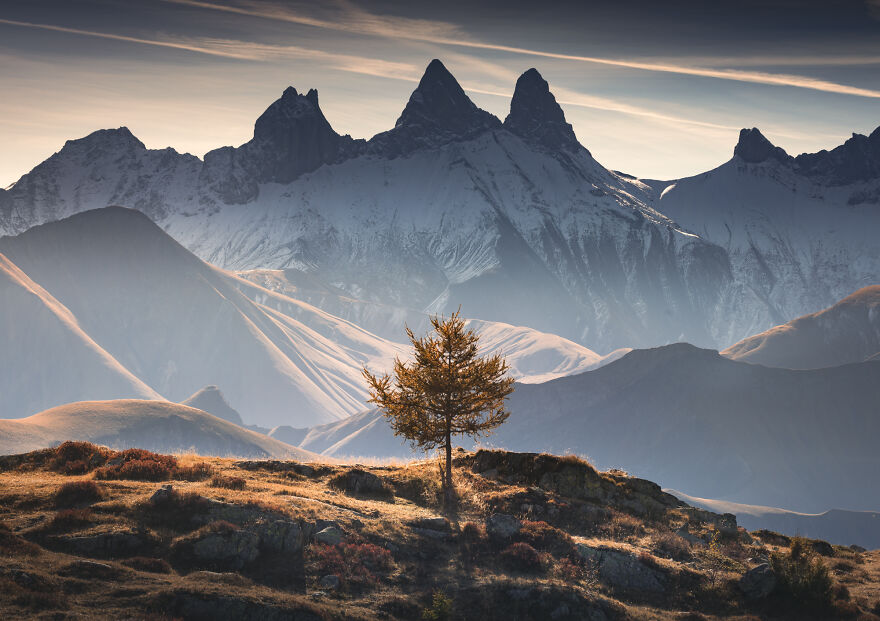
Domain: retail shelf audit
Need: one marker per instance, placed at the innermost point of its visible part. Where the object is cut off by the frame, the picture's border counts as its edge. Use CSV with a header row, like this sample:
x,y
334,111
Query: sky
x,y
655,89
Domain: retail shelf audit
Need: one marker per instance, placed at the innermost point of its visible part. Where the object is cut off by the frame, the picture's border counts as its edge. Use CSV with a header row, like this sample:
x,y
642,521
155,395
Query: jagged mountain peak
x,y
438,112
535,115
753,147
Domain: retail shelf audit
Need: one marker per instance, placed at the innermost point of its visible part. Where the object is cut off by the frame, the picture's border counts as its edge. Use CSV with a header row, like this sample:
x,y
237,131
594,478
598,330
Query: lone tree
x,y
447,390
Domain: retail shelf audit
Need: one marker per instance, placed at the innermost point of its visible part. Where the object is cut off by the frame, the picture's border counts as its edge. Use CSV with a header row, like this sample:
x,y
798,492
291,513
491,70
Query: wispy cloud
x,y
246,50
442,33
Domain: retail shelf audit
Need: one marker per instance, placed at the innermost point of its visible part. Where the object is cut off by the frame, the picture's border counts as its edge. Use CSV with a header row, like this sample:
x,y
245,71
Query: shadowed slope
x,y
45,356
847,332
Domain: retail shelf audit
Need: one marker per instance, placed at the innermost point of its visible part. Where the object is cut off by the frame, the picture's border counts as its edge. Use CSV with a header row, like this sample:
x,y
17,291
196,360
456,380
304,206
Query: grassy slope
x,y
464,563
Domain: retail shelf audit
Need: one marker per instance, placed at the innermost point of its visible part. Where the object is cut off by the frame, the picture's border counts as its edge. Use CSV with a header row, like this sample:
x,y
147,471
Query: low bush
x,y
440,608
175,510
225,482
670,545
77,457
773,538
151,565
355,564
68,519
521,556
802,579
78,492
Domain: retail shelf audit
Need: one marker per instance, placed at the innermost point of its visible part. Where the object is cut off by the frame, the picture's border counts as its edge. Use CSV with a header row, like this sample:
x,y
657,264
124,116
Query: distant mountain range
x,y
513,220
835,526
688,417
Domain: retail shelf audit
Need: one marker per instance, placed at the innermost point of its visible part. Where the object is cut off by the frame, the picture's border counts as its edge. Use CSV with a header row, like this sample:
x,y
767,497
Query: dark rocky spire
x,y
754,148
536,117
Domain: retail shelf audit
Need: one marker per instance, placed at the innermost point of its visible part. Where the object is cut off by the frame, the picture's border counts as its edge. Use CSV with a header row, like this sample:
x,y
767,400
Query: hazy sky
x,y
656,89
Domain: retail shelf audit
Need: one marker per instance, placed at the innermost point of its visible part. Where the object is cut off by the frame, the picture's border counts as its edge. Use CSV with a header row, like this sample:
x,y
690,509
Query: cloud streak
x,y
442,33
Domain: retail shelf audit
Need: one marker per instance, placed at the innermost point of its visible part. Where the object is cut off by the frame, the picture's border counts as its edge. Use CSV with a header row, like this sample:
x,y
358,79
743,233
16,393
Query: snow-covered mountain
x,y
514,221
800,232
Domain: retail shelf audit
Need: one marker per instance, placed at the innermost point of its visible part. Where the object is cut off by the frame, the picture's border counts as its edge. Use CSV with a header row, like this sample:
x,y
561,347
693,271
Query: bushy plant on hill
x,y
802,579
78,492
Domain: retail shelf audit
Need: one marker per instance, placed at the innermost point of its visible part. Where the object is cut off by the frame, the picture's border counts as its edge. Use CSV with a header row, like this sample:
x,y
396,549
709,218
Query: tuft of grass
x,y
544,537
69,519
237,483
151,565
670,545
197,472
78,492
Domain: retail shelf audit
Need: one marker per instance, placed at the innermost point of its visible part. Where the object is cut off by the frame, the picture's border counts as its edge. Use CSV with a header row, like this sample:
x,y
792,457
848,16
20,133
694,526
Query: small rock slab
x,y
329,582
502,526
330,536
758,582
622,570
90,569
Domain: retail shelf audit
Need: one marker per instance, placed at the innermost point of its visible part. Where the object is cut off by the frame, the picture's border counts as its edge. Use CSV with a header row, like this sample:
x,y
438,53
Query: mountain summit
x,y
754,148
536,117
438,112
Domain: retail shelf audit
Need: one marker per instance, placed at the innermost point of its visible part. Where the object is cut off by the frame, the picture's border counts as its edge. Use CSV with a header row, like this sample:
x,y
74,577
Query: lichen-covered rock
x,y
501,526
622,570
280,535
758,582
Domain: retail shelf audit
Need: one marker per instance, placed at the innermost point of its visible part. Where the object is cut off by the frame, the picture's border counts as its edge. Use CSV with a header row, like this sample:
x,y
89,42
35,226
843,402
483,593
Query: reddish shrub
x,y
77,457
228,482
521,556
139,465
356,564
78,492
152,565
472,532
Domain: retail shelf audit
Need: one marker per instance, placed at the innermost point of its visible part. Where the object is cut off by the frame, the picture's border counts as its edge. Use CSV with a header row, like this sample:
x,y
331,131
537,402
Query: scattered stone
x,y
117,543
280,535
329,582
857,548
330,536
502,526
162,495
758,582
322,524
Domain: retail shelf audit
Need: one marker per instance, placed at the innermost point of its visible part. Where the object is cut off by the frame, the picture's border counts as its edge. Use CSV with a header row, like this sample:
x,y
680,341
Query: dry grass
x,y
384,566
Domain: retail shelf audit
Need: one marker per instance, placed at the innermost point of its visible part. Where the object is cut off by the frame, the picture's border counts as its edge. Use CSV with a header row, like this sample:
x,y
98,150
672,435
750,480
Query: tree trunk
x,y
450,496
